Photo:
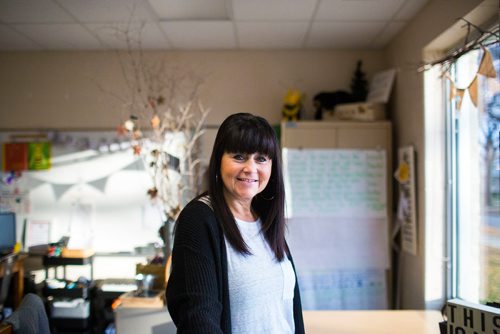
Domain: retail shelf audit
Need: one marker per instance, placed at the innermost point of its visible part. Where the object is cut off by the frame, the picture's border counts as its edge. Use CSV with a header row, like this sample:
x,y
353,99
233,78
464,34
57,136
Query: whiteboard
x,y
335,182
336,206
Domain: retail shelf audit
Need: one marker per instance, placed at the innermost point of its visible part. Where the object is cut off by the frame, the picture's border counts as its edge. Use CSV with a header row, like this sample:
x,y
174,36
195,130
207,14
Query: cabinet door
x,y
377,138
310,138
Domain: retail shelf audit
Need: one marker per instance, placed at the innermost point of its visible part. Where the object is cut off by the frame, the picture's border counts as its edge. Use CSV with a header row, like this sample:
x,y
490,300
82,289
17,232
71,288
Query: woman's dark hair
x,y
246,133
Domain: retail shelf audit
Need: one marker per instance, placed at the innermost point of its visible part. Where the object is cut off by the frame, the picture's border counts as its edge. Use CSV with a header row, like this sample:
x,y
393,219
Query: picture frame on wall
x,y
37,232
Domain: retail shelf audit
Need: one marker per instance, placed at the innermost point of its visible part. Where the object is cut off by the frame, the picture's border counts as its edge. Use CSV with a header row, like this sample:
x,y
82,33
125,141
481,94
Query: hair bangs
x,y
250,139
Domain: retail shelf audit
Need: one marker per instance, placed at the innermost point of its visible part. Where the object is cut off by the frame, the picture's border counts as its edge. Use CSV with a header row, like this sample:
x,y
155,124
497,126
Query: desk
x,y
17,280
373,322
6,328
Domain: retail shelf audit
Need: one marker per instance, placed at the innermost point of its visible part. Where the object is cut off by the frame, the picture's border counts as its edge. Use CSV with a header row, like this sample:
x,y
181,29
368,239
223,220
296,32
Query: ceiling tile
x,y
190,9
357,10
389,32
410,9
144,35
60,36
332,34
12,40
94,11
271,35
32,11
205,24
200,34
283,10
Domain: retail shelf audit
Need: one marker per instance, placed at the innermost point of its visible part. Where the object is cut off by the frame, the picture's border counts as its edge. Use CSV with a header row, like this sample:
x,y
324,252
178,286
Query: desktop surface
x,y
373,322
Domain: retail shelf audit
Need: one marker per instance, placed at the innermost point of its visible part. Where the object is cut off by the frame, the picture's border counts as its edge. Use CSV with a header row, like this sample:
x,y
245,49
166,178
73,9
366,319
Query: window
x,y
473,131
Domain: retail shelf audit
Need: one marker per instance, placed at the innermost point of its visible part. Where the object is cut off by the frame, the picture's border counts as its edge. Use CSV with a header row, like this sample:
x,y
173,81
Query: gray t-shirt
x,y
260,287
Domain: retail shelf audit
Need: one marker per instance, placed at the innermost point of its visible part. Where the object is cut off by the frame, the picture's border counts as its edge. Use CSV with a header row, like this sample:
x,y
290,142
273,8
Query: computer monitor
x,y
7,232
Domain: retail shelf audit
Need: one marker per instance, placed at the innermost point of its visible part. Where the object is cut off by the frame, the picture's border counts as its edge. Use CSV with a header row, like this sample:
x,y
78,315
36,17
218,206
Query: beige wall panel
x,y
77,89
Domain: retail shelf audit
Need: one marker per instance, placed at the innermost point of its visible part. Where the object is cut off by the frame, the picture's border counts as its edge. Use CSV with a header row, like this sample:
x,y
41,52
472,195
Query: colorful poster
x,y
39,156
407,213
15,157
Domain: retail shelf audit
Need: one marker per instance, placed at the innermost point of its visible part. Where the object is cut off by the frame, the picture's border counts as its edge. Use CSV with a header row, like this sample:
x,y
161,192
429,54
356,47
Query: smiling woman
x,y
230,243
244,176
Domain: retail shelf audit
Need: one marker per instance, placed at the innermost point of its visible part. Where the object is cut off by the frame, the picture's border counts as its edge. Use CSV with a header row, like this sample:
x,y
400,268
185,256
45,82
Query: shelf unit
x,y
72,319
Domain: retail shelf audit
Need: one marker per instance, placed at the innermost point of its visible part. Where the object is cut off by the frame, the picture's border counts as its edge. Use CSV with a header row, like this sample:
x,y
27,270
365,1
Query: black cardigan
x,y
197,290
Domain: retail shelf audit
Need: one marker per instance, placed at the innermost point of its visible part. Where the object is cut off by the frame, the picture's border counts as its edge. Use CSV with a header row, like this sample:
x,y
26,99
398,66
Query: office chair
x,y
30,317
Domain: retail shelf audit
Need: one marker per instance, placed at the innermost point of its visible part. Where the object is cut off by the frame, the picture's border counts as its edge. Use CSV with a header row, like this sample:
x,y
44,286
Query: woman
x,y
231,268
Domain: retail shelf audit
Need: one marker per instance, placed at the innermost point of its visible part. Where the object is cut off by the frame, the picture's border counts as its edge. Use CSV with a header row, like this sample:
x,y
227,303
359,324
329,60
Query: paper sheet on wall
x,y
335,183
81,225
338,243
362,289
381,86
337,226
38,233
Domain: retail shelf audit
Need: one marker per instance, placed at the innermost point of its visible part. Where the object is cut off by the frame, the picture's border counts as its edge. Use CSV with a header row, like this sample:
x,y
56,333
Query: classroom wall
x,y
405,53
75,89
61,90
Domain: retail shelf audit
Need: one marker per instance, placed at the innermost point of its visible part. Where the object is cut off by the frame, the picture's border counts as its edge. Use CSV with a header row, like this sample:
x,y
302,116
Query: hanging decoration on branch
x,y
482,40
165,123
486,68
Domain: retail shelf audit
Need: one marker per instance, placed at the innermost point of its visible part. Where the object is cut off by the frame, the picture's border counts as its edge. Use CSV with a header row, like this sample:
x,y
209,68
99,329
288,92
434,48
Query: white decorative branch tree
x,y
165,125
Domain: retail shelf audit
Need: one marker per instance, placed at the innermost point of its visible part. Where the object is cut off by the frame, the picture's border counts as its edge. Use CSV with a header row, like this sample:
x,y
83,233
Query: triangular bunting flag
x,y
460,94
486,67
137,165
473,91
453,90
60,189
99,184
32,183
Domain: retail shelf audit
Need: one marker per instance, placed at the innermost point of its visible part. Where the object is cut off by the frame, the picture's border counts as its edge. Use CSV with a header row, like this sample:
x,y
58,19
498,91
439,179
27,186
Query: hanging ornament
x,y
486,67
460,94
473,91
121,130
160,100
137,134
153,192
155,121
137,149
152,102
129,125
453,89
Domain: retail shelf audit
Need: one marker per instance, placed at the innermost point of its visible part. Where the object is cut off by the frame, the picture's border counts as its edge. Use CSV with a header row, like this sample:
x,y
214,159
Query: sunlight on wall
x,y
434,128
